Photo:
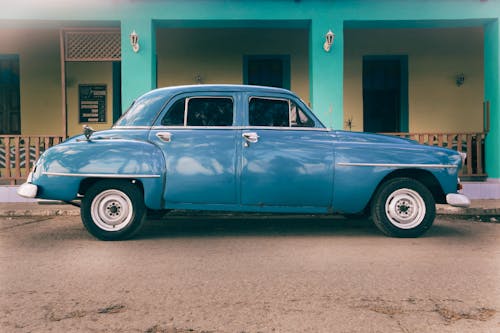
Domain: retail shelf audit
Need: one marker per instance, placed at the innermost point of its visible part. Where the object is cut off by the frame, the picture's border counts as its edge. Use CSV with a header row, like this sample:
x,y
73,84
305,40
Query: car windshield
x,y
143,111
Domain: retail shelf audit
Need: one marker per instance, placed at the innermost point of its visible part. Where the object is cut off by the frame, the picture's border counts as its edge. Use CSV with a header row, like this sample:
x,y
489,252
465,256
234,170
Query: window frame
x,y
287,100
316,123
187,99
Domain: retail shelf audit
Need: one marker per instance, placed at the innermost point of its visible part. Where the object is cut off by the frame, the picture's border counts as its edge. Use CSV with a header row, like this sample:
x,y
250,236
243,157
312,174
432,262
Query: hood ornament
x,y
88,131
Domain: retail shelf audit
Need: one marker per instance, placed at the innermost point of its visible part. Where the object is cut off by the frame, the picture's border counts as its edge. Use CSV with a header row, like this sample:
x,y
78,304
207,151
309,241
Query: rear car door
x,y
287,159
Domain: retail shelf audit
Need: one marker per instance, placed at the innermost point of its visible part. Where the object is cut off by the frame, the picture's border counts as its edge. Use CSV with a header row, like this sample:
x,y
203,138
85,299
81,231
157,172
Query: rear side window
x,y
200,111
298,118
277,113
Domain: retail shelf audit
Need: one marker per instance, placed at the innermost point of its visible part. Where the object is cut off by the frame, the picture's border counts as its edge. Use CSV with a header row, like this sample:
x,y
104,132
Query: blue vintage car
x,y
242,148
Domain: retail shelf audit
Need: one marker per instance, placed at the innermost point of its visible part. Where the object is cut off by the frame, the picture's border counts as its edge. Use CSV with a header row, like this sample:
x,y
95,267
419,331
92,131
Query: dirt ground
x,y
249,274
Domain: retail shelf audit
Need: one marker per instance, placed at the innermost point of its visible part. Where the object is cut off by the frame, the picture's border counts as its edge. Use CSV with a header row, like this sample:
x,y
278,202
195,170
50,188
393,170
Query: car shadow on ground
x,y
242,226
216,226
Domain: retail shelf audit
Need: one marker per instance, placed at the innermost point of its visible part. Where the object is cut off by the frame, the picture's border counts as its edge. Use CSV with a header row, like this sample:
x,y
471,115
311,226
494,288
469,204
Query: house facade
x,y
428,70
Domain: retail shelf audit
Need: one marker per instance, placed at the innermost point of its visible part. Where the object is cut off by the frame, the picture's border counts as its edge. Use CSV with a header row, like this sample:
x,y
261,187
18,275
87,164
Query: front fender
x,y
62,168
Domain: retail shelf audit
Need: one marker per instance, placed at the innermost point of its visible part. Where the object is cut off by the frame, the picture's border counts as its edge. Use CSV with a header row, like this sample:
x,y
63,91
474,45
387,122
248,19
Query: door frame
x,y
15,57
285,58
403,107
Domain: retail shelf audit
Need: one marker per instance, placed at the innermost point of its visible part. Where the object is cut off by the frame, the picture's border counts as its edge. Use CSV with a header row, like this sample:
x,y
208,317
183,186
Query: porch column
x,y
327,72
491,89
138,68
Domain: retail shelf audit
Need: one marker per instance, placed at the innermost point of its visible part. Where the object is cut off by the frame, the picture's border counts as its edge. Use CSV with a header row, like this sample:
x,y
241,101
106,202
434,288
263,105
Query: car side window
x,y
277,113
268,112
200,111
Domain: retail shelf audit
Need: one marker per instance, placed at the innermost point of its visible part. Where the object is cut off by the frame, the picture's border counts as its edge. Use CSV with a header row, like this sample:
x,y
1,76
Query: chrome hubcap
x,y
111,210
405,208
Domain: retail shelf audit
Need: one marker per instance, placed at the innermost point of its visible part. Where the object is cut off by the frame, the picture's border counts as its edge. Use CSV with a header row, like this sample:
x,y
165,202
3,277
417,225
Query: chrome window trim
x,y
397,165
131,127
98,175
267,128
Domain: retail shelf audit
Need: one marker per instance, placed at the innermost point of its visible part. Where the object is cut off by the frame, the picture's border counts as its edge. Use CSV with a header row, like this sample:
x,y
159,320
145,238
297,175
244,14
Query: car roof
x,y
218,88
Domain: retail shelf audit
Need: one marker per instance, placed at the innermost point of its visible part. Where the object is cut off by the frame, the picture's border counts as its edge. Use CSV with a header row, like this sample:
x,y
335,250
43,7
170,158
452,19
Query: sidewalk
x,y
7,209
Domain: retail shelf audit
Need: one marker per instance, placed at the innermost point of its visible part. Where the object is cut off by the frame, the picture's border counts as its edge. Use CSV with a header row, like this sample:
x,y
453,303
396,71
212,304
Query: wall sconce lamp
x,y
459,79
329,38
134,41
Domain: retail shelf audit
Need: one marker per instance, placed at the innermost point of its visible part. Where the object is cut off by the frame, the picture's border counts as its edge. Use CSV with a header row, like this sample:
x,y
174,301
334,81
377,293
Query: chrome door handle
x,y
164,136
250,137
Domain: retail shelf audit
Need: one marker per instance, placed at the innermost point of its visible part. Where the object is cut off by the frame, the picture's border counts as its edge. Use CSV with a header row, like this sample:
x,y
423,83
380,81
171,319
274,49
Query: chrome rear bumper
x,y
457,200
27,190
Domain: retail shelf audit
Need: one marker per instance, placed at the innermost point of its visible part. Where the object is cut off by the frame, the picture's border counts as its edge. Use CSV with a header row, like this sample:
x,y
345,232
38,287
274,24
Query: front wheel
x,y
113,210
403,207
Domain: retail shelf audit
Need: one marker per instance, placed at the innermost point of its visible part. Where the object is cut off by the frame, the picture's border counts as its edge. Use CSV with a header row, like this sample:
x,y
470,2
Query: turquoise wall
x,y
492,89
138,69
326,69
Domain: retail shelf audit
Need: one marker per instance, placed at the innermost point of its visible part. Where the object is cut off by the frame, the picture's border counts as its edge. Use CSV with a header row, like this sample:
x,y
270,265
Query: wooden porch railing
x,y
18,153
470,143
16,163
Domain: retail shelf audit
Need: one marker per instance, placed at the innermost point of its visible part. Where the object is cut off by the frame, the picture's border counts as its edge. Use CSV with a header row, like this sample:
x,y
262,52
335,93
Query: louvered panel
x,y
92,45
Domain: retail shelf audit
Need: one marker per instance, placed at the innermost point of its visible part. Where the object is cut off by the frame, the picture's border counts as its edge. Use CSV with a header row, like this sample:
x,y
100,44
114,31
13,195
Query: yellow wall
x,y
88,73
40,81
217,54
40,78
435,56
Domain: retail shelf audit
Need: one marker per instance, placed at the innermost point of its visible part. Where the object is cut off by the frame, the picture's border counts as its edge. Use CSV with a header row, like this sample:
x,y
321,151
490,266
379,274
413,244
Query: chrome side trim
x,y
195,127
395,165
99,175
320,129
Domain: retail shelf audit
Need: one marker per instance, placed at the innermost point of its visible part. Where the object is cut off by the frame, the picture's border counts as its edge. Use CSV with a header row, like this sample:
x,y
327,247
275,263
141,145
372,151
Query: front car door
x,y
287,156
196,133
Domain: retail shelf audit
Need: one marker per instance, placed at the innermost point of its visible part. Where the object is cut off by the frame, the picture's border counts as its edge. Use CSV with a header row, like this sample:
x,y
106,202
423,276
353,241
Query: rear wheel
x,y
403,207
113,209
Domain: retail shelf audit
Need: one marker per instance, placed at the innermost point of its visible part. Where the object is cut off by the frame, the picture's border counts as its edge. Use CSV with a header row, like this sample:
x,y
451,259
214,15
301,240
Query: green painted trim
x,y
415,24
9,56
286,66
225,24
117,90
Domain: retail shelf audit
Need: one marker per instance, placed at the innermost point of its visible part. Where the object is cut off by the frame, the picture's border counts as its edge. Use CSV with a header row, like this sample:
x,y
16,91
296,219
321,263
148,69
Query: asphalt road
x,y
253,274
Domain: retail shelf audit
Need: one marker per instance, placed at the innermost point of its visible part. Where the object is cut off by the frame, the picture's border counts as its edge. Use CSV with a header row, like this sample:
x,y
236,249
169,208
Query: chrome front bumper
x,y
457,200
